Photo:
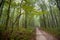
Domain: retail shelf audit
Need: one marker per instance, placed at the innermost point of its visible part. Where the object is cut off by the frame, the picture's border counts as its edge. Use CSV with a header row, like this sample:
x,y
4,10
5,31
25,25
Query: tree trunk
x,y
1,6
8,12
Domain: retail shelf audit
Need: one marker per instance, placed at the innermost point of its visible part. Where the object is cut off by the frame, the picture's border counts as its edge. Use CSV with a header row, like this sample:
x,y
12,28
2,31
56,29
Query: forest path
x,y
41,35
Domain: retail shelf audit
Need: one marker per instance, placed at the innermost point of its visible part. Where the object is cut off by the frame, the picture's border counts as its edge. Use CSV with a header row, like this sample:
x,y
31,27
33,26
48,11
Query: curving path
x,y
41,35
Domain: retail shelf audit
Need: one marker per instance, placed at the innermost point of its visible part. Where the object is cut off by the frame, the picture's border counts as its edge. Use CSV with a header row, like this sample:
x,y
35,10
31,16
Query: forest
x,y
20,18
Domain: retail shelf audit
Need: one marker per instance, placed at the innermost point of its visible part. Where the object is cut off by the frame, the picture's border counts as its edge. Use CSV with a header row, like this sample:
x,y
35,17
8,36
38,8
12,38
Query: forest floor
x,y
41,35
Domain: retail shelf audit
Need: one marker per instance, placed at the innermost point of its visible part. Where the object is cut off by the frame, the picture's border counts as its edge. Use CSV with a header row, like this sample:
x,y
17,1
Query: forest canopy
x,y
15,14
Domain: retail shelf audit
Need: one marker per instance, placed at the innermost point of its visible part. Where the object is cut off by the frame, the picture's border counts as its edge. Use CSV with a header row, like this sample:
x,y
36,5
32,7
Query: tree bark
x,y
8,12
1,6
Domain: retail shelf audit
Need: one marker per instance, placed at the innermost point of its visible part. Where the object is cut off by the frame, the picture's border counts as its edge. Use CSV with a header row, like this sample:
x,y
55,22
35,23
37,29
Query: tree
x,y
1,6
58,3
7,20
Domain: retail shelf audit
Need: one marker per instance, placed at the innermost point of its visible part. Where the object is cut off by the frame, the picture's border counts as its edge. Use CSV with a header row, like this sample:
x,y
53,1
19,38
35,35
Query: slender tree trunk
x,y
48,23
26,20
8,12
41,21
1,6
58,4
52,21
56,20
44,21
12,24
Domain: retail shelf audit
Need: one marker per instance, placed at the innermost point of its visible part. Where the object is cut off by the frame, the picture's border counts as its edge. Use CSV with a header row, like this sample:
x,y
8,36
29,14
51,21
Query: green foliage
x,y
31,13
23,34
39,12
27,8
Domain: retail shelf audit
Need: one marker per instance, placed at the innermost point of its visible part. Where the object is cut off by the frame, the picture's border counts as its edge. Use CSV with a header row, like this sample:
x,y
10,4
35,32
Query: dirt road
x,y
41,35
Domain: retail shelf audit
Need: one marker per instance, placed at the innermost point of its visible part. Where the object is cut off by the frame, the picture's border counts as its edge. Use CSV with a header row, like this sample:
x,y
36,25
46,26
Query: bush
x,y
22,34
